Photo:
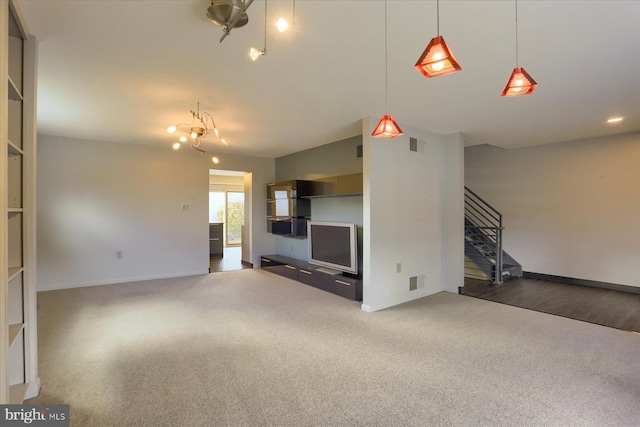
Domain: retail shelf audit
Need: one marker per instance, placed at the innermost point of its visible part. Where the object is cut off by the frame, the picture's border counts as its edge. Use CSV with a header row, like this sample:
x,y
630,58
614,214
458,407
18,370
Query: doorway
x,y
227,220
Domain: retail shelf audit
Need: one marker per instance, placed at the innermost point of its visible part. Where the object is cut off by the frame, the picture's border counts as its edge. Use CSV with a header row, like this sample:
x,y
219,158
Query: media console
x,y
345,286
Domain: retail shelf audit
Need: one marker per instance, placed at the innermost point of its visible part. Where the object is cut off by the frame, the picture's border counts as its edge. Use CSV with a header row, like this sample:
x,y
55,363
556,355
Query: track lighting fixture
x,y
437,59
520,82
198,129
255,53
387,127
228,14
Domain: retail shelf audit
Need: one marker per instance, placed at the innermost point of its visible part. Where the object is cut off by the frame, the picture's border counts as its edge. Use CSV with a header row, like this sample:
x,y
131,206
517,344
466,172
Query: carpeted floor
x,y
249,348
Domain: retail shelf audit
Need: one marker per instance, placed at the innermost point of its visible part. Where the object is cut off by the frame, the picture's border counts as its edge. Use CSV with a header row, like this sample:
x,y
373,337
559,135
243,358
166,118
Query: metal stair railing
x,y
483,233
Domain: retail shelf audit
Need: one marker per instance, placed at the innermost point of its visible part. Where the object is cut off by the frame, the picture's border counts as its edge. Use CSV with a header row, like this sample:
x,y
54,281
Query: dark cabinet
x,y
345,286
293,189
294,227
215,240
287,210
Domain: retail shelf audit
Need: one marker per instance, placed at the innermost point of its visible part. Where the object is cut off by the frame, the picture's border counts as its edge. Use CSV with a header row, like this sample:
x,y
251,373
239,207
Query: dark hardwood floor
x,y
615,309
232,260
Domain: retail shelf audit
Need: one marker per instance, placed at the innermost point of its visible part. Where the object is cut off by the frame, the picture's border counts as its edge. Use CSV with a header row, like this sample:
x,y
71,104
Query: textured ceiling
x,y
124,70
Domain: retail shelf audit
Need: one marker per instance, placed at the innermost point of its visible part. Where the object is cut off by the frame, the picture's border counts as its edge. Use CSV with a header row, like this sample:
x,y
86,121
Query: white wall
x,y
96,198
452,181
570,209
412,216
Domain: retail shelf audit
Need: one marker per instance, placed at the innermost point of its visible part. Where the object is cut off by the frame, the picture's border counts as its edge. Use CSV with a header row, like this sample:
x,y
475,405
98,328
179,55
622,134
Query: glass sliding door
x,y
217,204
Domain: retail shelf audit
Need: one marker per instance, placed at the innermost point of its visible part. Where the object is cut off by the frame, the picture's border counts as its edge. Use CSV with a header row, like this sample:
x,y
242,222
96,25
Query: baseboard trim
x,y
582,282
247,263
114,281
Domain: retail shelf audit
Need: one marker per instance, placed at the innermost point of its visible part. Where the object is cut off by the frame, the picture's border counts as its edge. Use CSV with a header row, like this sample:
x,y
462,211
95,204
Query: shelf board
x,y
14,271
14,330
14,150
14,210
14,93
17,393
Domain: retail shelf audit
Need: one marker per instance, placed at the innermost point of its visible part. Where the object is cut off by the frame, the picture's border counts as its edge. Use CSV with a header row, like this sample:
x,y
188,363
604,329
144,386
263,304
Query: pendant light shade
x,y
387,128
437,59
520,83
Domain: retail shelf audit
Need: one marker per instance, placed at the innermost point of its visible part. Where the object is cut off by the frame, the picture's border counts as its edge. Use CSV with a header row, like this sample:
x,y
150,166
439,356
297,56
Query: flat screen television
x,y
333,245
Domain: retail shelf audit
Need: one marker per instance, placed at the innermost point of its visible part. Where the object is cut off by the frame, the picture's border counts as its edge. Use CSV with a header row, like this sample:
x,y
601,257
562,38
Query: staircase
x,y
484,257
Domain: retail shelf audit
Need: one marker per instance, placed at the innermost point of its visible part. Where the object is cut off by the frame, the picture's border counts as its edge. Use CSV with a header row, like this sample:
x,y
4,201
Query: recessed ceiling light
x,y
614,120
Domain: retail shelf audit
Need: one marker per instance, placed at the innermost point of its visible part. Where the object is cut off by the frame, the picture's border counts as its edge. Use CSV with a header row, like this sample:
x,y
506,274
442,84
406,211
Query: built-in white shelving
x,y
13,272
18,343
14,150
14,93
14,330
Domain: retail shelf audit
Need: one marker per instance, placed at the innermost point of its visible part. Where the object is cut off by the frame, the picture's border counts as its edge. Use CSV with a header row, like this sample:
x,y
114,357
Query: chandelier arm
x,y
182,124
206,116
187,124
195,147
215,128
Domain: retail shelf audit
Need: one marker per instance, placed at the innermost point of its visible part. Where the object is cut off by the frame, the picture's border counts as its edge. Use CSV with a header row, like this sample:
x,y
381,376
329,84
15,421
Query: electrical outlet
x,y
185,207
118,254
398,267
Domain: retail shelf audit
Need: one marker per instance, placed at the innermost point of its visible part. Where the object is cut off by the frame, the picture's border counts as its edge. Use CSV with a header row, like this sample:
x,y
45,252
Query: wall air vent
x,y
416,146
416,282
413,144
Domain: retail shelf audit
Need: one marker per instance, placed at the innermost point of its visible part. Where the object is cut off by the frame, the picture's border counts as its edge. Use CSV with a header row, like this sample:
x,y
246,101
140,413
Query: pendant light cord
x,y
386,62
438,16
293,16
517,33
265,26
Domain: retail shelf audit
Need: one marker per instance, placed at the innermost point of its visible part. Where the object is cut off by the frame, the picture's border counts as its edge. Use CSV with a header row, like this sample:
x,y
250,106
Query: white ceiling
x,y
123,70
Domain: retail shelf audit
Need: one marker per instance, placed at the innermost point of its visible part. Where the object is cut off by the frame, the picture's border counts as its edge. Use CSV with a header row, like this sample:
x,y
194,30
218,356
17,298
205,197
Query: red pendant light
x,y
520,82
437,59
387,127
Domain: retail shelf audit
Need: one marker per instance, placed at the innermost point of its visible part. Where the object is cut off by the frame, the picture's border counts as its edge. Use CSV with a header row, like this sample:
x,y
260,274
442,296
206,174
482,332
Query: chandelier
x,y
198,128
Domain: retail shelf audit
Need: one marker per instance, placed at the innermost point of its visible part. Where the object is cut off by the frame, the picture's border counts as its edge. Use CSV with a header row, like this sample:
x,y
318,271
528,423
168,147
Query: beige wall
x,y
413,216
333,159
570,209
97,198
